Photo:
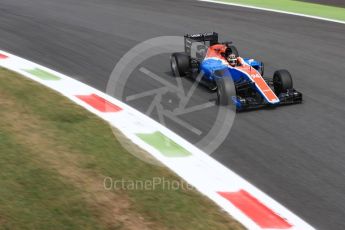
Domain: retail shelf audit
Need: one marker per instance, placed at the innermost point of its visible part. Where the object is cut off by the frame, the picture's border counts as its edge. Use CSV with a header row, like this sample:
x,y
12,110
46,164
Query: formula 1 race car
x,y
240,83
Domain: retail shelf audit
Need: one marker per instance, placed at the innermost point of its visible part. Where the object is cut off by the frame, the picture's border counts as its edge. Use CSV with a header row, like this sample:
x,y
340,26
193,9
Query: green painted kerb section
x,y
44,75
163,144
312,9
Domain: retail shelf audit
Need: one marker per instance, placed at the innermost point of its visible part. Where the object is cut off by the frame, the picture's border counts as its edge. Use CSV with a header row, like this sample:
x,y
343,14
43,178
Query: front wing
x,y
247,103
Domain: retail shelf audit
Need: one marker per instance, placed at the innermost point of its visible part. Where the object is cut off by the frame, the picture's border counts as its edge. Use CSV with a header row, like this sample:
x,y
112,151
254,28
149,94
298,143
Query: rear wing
x,y
208,39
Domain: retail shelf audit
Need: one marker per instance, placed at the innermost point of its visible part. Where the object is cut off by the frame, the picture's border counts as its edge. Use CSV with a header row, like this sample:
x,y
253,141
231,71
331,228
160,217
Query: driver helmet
x,y
232,60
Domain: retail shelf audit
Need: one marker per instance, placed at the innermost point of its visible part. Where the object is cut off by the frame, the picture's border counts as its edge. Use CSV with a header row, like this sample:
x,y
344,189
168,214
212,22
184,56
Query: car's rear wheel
x,y
180,64
282,81
225,91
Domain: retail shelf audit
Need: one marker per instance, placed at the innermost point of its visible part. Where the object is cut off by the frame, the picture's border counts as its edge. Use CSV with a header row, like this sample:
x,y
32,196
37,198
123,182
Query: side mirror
x,y
262,69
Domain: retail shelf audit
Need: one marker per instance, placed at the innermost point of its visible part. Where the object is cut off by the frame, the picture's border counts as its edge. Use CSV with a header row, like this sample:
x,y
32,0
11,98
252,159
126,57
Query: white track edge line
x,y
273,10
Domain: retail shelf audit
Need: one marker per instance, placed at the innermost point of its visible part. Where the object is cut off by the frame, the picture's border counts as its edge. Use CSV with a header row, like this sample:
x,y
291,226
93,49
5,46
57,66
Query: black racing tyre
x,y
282,81
180,64
233,50
225,90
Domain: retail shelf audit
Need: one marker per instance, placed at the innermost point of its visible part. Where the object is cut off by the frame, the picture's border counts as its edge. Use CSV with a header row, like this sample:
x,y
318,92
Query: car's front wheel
x,y
282,81
225,91
180,64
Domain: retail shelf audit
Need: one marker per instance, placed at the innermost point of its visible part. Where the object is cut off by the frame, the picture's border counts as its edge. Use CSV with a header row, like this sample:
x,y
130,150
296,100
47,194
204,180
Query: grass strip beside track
x,y
312,9
54,157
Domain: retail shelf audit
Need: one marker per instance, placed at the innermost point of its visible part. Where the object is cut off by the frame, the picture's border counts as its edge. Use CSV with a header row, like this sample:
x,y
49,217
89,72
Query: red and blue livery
x,y
242,83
